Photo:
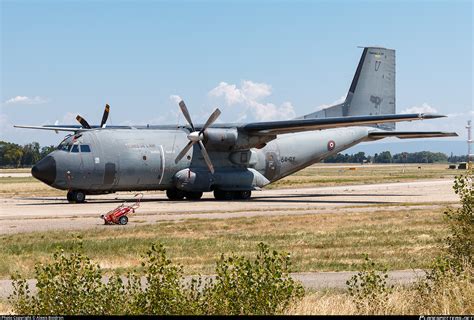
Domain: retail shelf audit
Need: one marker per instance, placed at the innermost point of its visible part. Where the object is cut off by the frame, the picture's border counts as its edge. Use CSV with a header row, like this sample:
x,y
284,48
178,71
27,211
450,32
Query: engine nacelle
x,y
220,139
231,139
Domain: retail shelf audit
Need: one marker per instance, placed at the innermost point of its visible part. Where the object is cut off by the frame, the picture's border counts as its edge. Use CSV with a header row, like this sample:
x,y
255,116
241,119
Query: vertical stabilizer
x,y
372,91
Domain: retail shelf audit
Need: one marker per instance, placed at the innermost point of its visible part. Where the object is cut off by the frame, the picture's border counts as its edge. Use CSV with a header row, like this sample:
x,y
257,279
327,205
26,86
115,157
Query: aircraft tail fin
x,y
372,91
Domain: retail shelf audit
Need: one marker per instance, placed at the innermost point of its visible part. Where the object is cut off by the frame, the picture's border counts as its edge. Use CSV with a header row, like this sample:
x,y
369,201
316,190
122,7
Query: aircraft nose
x,y
45,170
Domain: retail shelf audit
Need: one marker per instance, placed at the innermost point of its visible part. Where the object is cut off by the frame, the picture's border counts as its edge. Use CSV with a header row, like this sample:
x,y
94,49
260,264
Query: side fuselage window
x,y
85,148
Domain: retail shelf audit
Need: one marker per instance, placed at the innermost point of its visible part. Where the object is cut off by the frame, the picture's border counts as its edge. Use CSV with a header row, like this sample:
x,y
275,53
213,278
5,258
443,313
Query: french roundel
x,y
331,145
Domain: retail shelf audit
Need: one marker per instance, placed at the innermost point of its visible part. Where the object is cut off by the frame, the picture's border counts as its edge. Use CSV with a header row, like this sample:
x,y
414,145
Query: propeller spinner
x,y
86,125
197,136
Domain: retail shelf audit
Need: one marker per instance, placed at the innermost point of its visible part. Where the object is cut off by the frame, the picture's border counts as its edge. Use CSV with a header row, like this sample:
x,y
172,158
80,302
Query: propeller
x,y
105,116
86,125
83,122
197,136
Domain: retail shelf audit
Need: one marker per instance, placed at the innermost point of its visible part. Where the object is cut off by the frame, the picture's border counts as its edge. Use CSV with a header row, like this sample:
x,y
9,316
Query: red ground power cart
x,y
119,214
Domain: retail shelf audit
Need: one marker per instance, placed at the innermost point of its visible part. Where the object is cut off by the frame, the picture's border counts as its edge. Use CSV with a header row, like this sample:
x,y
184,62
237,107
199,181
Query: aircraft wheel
x,y
76,196
244,195
123,220
175,194
193,195
223,195
69,196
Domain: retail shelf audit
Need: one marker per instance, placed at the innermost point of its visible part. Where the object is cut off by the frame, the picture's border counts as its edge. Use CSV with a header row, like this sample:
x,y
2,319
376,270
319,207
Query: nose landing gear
x,y
76,196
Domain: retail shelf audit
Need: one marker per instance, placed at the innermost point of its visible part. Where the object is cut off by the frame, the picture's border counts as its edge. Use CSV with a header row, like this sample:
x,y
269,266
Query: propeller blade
x,y
206,157
83,122
211,119
184,151
185,111
105,116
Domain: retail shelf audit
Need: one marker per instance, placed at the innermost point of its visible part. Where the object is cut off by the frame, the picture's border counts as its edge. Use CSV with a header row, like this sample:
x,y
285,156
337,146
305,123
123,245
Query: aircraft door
x,y
272,169
152,166
86,165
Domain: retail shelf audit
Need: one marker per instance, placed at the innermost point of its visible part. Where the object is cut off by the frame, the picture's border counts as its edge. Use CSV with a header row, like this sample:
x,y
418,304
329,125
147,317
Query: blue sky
x,y
277,59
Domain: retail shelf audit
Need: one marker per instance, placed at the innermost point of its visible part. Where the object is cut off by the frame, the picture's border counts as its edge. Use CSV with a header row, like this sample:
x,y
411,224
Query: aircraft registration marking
x,y
287,159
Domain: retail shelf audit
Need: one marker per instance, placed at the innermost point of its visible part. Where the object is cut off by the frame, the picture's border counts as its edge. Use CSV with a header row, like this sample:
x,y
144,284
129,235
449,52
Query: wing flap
x,y
411,134
298,125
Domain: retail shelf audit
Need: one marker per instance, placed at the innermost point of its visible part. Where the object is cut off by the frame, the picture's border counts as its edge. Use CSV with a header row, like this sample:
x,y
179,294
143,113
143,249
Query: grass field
x,y
325,242
329,175
333,241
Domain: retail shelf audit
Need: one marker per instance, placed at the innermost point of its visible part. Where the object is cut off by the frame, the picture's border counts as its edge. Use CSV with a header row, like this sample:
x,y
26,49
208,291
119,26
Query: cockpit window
x,y
85,148
66,144
64,147
75,148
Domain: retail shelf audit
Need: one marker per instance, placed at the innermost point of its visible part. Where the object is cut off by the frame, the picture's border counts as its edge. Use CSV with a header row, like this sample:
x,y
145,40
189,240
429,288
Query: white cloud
x,y
26,100
424,108
324,106
231,94
69,118
175,98
249,96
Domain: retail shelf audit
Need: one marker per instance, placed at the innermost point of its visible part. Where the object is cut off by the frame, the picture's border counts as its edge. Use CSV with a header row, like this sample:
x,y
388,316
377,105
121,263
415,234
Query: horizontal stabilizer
x,y
411,134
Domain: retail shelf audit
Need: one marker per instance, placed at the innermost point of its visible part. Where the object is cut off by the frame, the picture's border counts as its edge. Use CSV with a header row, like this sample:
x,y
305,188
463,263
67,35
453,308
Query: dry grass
x,y
5,308
26,187
455,298
327,175
335,241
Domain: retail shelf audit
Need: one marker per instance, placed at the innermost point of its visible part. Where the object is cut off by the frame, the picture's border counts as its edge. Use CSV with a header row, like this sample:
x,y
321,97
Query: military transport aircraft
x,y
229,159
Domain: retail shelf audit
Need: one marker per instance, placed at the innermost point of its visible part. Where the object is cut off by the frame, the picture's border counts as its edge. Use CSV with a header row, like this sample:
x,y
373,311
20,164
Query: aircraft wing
x,y
70,128
54,128
298,125
411,134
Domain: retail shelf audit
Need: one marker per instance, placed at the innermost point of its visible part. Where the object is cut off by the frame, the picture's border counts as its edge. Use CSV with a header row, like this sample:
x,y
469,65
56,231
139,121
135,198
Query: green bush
x,y
369,289
454,267
460,242
72,284
262,286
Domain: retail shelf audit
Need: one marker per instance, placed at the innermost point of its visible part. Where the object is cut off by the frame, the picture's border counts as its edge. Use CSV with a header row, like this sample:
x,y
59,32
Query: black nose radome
x,y
45,170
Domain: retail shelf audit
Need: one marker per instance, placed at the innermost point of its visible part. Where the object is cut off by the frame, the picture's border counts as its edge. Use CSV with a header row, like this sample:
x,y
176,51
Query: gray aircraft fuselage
x,y
123,159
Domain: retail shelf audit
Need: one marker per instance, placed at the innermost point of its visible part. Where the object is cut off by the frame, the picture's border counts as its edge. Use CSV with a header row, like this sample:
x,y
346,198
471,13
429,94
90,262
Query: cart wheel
x,y
123,220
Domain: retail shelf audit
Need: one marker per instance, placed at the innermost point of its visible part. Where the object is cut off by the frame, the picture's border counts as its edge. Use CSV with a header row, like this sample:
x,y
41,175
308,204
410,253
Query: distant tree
x,y
46,150
359,157
384,157
31,154
10,154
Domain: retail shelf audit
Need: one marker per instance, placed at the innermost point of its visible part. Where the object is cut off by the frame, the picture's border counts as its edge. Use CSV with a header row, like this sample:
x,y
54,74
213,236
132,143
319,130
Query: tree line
x,y
403,157
15,155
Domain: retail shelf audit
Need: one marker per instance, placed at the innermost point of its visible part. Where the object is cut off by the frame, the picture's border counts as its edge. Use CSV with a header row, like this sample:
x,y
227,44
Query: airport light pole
x,y
469,141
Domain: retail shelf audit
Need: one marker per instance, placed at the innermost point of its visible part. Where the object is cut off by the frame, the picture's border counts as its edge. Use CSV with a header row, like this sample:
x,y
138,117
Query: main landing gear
x,y
232,195
76,196
176,194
